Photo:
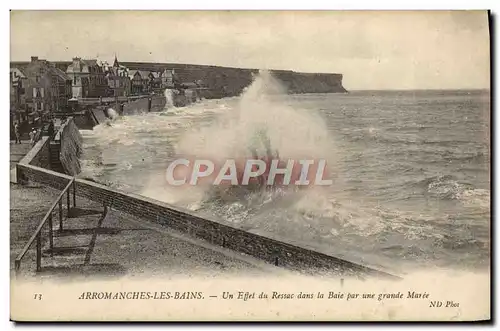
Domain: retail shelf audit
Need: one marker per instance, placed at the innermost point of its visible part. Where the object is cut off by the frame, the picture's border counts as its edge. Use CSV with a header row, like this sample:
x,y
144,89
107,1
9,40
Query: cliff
x,y
226,81
297,82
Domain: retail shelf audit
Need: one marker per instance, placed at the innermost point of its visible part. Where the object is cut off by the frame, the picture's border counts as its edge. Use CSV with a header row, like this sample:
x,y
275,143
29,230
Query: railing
x,y
112,99
47,219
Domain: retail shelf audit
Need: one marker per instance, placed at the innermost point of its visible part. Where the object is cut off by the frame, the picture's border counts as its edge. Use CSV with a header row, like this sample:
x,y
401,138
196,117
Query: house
x,y
37,84
118,79
140,82
155,82
46,88
61,85
18,81
88,79
167,78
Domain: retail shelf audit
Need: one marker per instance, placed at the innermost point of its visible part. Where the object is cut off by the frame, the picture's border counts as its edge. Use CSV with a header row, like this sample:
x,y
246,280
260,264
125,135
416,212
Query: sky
x,y
373,50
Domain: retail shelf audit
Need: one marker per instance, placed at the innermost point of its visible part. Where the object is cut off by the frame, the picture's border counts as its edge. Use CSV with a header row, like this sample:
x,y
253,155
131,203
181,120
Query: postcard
x,y
250,165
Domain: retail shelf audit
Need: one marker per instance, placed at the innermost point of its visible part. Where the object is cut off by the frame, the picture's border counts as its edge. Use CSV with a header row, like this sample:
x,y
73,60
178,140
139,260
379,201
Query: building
x,y
37,84
118,79
167,78
88,79
18,82
155,81
140,82
45,89
62,91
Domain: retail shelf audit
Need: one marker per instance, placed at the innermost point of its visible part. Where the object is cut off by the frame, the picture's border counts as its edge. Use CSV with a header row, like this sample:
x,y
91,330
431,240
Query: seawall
x,y
265,247
70,141
153,103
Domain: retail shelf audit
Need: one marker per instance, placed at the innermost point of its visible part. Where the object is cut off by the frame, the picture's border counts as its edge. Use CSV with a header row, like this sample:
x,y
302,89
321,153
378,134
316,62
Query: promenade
x,y
18,151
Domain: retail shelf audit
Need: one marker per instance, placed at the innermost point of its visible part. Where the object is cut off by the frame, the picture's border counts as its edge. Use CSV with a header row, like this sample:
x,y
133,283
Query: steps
x,y
55,163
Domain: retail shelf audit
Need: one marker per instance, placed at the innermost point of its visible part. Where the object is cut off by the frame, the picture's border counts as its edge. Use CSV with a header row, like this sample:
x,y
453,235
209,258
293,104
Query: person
x,y
16,132
32,136
51,128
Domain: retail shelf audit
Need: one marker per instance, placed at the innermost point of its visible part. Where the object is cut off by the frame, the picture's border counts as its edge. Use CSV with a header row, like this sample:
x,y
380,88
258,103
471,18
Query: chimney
x,y
34,58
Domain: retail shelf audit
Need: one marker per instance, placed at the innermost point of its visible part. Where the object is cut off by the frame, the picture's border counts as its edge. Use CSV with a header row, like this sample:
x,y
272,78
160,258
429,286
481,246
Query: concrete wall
x,y
262,247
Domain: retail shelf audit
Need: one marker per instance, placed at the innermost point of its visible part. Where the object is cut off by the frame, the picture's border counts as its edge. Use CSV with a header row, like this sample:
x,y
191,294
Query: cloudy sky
x,y
374,50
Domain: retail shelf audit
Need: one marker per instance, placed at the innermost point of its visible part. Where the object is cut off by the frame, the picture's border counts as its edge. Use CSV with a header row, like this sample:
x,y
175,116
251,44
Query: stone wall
x,y
84,120
71,147
39,155
265,248
154,103
98,115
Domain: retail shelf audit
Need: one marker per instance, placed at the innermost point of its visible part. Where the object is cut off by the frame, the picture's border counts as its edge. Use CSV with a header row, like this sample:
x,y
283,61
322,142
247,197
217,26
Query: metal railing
x,y
47,220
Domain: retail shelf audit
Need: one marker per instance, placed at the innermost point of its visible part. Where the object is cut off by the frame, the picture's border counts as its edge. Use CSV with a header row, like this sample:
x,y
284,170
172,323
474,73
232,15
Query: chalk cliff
x,y
225,81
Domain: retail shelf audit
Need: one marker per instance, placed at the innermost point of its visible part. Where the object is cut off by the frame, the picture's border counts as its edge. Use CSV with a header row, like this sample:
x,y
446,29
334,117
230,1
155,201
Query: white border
x,y
190,5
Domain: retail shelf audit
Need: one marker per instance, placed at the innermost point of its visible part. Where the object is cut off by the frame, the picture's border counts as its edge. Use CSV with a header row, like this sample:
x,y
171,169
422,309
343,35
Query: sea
x,y
410,170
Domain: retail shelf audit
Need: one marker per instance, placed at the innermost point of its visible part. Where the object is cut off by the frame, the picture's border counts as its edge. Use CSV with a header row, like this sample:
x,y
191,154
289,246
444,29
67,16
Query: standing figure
x,y
51,129
32,136
16,132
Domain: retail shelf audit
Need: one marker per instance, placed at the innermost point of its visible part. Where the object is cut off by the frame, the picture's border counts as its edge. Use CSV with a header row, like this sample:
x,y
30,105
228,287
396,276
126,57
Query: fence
x,y
47,220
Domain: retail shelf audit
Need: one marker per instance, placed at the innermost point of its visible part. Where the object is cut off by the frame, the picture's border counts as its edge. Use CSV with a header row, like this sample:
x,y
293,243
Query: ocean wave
x,y
475,197
448,187
398,180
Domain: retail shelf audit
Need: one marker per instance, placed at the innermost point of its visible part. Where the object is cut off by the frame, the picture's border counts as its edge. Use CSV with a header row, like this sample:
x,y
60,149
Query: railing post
x,y
51,235
17,267
74,193
67,201
38,252
60,215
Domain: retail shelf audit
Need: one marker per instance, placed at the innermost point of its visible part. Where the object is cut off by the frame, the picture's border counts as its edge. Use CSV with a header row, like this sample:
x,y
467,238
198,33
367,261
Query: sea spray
x,y
257,120
260,122
169,97
112,114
